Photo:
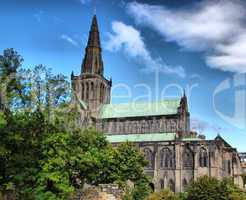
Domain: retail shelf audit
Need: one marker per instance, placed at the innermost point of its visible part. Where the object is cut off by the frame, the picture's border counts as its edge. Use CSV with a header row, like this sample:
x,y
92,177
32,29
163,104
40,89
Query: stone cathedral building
x,y
161,130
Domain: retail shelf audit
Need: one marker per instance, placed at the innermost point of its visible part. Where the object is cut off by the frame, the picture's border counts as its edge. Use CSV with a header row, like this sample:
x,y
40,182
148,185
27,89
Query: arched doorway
x,y
171,185
152,186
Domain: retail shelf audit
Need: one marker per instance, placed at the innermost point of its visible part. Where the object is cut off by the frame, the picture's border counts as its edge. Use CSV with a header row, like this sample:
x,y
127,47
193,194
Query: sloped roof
x,y
220,138
138,109
148,137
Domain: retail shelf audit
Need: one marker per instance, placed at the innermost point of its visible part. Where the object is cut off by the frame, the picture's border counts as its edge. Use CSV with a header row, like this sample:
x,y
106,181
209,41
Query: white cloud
x,y
214,27
69,40
231,56
130,40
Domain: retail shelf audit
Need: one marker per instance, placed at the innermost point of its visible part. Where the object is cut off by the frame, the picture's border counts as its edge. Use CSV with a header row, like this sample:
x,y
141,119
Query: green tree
x,y
20,140
127,163
209,188
72,159
10,87
44,153
164,194
231,191
140,191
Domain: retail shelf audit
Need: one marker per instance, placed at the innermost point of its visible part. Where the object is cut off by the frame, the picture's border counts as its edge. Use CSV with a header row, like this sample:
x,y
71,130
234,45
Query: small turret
x,y
72,75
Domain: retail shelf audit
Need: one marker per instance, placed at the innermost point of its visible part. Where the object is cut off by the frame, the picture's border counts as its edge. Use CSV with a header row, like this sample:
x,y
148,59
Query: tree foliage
x,y
209,188
44,153
10,87
164,194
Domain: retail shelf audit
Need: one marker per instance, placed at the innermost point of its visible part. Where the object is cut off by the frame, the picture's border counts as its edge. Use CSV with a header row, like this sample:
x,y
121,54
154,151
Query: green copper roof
x,y
138,109
191,139
148,137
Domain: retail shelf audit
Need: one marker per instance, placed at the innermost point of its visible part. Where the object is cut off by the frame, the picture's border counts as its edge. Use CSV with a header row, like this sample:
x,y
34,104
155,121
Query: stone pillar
x,y
156,166
178,169
196,164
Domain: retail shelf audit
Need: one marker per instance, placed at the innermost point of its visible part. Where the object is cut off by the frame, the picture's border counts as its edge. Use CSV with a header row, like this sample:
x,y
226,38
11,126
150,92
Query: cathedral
x,y
161,129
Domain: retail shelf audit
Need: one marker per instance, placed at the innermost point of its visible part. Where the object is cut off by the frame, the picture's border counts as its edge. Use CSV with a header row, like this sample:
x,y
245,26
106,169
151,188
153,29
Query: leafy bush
x,y
209,188
165,194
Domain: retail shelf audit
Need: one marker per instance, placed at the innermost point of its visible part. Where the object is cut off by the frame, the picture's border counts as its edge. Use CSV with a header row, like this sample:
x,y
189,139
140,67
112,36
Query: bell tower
x,y
91,87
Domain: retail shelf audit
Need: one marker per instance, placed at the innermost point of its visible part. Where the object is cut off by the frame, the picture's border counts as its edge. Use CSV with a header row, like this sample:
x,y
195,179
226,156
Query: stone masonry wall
x,y
102,192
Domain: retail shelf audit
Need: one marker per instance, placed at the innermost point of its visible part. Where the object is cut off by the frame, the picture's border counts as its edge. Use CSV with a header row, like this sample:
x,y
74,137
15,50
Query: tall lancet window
x,y
188,158
166,158
82,91
149,156
92,90
87,91
203,157
101,93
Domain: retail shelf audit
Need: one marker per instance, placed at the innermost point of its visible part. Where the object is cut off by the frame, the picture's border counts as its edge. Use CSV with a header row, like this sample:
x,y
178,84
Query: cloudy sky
x,y
151,49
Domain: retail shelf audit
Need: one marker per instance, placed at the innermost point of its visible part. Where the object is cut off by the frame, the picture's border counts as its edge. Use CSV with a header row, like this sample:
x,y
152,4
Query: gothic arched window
x,y
188,160
171,185
101,93
87,91
82,91
203,157
161,183
166,158
92,89
229,167
149,156
185,184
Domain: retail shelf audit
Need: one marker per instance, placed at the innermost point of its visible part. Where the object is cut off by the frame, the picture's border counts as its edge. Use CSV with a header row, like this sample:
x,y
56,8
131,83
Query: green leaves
x,y
2,120
209,188
44,153
71,159
164,194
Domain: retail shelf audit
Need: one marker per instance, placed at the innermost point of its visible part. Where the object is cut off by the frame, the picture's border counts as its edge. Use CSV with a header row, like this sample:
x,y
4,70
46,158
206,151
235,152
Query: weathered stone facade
x,y
173,163
176,163
140,125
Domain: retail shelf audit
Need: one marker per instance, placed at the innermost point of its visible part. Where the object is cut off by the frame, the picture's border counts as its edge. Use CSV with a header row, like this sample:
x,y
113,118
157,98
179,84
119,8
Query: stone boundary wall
x,y
101,192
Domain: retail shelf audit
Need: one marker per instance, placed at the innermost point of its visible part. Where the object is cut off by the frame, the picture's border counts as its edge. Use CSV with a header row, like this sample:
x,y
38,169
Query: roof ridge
x,y
143,102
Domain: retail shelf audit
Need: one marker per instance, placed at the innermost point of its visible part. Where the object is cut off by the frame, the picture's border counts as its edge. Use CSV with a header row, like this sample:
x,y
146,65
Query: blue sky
x,y
193,44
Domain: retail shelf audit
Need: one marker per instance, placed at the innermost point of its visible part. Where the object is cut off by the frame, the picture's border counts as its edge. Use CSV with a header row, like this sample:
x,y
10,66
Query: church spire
x,y
92,62
94,40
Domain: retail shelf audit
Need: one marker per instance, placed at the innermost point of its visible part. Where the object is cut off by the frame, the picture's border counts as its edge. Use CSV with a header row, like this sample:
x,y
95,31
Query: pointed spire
x,y
72,75
183,98
183,101
94,40
92,62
